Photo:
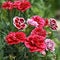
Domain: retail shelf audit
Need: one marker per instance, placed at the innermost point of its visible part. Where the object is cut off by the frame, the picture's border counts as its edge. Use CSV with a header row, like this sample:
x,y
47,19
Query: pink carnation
x,y
39,20
50,45
32,22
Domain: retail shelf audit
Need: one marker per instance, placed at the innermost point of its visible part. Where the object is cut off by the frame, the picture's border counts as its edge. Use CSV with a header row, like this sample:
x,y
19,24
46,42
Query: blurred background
x,y
46,9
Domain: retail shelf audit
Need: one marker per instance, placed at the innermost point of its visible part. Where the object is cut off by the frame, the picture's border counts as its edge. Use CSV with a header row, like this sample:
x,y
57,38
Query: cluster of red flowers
x,y
21,5
35,43
36,40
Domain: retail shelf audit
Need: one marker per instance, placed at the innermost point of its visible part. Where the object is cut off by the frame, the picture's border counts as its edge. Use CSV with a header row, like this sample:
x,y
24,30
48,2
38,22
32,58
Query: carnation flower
x,y
16,4
53,24
15,37
7,5
24,5
35,43
39,31
39,20
32,22
19,23
50,45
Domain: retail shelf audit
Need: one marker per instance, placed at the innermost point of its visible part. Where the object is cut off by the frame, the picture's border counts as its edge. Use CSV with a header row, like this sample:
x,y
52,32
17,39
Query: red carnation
x,y
35,43
39,20
15,37
39,31
24,5
7,5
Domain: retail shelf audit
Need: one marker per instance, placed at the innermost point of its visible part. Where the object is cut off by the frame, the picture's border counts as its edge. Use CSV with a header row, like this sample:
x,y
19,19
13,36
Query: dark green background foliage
x,y
44,8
